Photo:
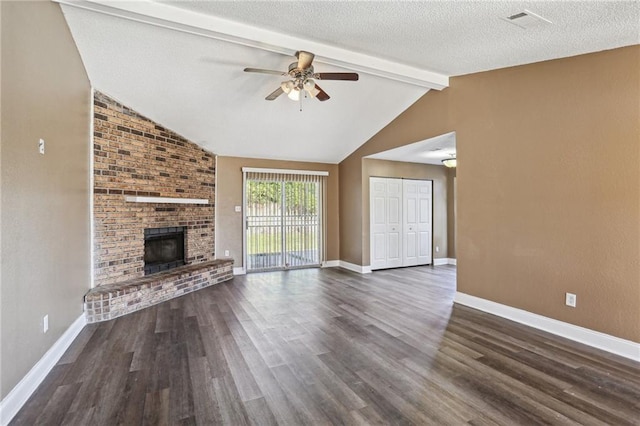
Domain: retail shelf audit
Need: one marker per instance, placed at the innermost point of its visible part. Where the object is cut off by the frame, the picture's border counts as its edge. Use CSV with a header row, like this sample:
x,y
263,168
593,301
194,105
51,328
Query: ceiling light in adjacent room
x,y
450,162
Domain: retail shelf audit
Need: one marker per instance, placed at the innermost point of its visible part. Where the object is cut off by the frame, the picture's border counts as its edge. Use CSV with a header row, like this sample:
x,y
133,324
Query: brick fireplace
x,y
146,178
135,156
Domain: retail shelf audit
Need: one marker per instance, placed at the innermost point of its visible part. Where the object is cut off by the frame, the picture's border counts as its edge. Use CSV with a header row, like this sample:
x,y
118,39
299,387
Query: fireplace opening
x,y
163,249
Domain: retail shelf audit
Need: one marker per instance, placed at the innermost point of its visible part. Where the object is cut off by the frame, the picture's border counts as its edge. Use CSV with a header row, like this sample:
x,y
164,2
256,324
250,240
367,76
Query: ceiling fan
x,y
303,78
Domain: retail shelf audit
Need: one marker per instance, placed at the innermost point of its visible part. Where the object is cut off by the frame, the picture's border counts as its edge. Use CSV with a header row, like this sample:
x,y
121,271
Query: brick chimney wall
x,y
135,156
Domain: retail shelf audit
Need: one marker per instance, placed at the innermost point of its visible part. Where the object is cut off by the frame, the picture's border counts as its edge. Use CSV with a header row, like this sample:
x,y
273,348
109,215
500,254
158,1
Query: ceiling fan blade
x,y
275,94
261,71
349,76
304,59
321,95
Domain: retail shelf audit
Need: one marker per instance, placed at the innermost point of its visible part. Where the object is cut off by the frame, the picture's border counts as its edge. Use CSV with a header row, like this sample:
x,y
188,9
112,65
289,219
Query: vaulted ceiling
x,y
181,63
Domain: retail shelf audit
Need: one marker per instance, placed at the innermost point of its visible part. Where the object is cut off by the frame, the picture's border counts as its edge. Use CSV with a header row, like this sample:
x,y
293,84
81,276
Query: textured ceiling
x,y
170,61
428,151
450,37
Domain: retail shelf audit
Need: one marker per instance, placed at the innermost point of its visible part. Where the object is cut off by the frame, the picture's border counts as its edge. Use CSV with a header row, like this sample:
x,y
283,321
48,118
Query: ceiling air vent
x,y
527,19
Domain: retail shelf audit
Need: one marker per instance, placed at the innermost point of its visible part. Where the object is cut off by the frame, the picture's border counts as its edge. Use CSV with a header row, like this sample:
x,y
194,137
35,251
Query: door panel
x,y
411,245
378,211
393,207
425,245
378,217
394,223
411,212
409,223
393,255
425,210
263,225
379,249
425,213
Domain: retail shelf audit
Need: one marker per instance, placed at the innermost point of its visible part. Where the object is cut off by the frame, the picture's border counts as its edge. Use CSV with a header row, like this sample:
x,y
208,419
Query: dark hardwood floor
x,y
330,347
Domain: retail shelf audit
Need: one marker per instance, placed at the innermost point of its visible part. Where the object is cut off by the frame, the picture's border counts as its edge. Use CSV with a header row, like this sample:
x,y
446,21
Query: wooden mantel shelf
x,y
170,200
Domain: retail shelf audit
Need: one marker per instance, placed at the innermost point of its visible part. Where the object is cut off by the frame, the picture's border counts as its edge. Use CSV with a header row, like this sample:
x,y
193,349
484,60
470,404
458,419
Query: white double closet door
x,y
401,222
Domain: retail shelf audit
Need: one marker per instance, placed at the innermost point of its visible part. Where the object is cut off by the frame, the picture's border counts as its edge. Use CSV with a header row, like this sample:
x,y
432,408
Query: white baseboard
x,y
355,268
444,261
330,263
453,261
239,271
12,403
596,339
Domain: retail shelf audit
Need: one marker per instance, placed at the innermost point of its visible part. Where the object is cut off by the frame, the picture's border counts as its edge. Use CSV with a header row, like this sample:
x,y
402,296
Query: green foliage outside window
x,y
300,197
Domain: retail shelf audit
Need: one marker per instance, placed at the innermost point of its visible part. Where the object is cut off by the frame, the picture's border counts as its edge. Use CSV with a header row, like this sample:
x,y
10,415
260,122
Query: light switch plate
x,y
238,209
570,300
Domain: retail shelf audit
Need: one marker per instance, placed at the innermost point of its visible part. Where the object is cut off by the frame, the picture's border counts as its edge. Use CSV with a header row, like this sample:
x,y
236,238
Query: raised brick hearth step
x,y
110,301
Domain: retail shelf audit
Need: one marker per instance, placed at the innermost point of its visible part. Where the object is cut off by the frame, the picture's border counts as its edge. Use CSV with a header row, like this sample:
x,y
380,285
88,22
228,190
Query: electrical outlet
x,y
570,300
45,323
238,209
41,146
226,253
437,249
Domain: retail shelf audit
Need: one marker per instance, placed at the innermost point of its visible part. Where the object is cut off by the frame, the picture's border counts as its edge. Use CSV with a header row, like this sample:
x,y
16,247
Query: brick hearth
x,y
110,301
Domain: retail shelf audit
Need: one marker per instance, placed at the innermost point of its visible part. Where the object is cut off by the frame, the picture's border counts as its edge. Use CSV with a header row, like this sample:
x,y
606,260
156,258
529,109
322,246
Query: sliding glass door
x,y
283,220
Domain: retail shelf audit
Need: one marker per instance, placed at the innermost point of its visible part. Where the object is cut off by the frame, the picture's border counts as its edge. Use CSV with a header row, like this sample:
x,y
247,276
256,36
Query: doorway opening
x,y
388,204
283,219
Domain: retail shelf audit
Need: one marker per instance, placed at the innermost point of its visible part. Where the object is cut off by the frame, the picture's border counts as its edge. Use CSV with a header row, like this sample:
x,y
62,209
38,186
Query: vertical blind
x,y
284,219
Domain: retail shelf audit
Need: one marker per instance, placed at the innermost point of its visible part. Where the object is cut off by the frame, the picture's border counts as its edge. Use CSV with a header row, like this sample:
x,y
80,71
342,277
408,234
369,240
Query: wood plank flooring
x,y
327,346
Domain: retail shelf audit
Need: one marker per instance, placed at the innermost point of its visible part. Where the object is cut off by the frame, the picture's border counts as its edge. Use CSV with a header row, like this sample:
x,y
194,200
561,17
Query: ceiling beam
x,y
175,18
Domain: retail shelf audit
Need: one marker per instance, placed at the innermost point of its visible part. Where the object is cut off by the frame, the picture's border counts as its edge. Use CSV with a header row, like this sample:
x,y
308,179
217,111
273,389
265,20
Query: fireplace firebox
x,y
163,249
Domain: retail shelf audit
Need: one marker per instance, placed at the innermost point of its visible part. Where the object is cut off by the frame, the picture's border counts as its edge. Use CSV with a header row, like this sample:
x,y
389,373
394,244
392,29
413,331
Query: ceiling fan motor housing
x,y
298,73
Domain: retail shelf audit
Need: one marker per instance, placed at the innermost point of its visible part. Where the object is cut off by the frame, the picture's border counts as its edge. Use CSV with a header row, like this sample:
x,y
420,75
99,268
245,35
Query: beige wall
x,y
451,207
229,195
350,210
547,185
45,199
395,169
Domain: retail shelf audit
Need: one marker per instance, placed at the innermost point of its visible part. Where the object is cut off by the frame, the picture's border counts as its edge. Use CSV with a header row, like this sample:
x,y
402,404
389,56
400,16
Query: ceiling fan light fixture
x,y
310,87
287,86
294,94
309,84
